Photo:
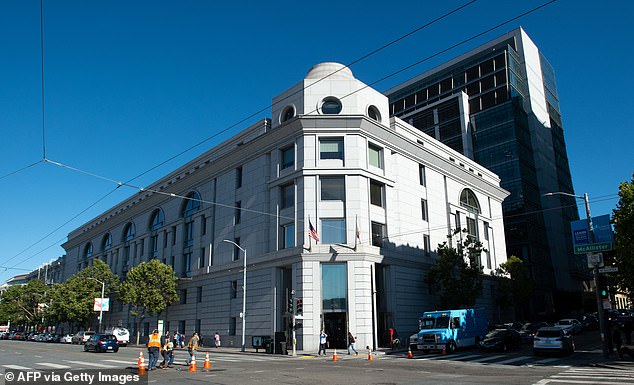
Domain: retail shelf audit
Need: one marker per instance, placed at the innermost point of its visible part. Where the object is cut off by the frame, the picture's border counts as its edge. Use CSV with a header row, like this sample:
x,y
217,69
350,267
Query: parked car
x,y
553,339
589,322
529,329
501,339
82,337
122,335
413,341
571,325
101,343
67,339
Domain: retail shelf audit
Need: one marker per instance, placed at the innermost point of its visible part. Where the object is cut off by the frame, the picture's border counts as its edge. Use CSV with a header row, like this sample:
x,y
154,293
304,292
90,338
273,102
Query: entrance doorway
x,y
335,327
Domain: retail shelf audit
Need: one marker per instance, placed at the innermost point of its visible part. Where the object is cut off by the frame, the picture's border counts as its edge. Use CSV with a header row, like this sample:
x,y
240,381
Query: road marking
x,y
120,362
16,367
545,361
513,360
91,364
488,358
51,365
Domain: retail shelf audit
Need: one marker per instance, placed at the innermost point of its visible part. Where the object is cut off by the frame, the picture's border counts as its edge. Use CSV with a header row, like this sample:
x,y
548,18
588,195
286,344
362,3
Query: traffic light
x,y
604,293
298,325
299,310
289,307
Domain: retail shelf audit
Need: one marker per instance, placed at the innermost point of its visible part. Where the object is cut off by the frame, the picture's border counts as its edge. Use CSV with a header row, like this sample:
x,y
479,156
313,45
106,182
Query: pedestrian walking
x,y
217,339
168,353
351,341
166,341
192,347
176,339
182,340
153,347
323,340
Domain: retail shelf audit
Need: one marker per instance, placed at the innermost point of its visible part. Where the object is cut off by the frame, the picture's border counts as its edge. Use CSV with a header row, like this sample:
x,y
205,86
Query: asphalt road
x,y
229,366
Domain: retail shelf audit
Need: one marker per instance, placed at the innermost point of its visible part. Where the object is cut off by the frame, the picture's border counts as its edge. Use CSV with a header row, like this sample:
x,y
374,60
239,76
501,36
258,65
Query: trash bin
x,y
283,348
268,345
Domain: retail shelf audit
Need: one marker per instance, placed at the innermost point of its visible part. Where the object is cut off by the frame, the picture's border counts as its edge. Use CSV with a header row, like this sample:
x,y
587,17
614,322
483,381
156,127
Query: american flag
x,y
312,232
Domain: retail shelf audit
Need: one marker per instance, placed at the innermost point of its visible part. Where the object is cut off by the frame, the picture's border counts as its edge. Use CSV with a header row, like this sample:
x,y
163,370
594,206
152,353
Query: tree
x,y
457,275
515,286
623,219
73,301
22,304
150,288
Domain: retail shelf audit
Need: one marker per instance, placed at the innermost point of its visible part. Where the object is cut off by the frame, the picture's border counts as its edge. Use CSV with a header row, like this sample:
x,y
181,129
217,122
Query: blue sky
x,y
129,84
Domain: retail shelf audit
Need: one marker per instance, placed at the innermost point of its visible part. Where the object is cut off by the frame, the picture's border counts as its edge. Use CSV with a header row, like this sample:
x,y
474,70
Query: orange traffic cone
x,y
207,364
334,356
409,353
192,364
444,350
370,357
141,363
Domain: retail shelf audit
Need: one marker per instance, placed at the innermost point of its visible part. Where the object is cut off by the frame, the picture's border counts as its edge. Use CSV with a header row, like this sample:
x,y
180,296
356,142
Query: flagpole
x,y
356,231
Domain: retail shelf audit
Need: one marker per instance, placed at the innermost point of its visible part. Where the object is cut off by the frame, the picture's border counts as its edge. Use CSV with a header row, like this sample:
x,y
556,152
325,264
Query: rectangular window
x,y
189,233
203,225
173,235
288,234
238,177
183,296
376,193
333,230
471,227
187,264
422,177
234,289
332,188
378,234
199,294
426,245
201,259
236,249
237,212
154,246
181,326
142,248
486,231
165,239
288,157
375,156
331,148
288,196
232,326
423,205
198,325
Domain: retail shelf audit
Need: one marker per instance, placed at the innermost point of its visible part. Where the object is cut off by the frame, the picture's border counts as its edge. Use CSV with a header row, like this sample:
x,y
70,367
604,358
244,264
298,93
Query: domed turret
x,y
322,70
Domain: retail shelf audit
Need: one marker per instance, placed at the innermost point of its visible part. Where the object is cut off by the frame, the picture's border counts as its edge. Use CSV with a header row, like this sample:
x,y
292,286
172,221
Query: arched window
x,y
129,232
469,201
106,243
157,219
192,204
88,251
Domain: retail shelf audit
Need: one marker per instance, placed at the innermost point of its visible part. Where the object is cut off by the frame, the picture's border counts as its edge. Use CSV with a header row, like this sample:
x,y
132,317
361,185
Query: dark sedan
x,y
102,343
501,339
529,330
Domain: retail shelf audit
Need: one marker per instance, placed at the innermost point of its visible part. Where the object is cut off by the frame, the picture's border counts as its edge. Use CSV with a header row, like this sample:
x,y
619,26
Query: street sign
x,y
607,304
593,248
609,269
595,260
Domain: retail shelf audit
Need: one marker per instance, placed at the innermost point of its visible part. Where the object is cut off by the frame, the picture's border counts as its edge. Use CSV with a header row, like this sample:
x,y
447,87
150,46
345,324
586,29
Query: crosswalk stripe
x,y
511,360
120,362
51,365
487,358
96,365
545,361
16,367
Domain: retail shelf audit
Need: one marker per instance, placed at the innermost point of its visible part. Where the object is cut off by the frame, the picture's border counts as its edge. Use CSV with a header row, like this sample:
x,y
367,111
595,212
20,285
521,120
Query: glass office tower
x,y
498,105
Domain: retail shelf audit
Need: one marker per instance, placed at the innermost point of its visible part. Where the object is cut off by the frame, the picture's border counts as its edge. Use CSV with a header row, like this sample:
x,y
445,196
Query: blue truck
x,y
449,330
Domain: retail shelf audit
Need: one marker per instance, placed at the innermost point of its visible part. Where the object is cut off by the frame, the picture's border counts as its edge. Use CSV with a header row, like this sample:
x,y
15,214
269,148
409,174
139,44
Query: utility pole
x,y
293,335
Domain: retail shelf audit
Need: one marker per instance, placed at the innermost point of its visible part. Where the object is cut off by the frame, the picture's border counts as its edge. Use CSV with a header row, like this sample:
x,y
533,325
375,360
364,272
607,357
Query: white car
x,y
66,339
571,325
122,335
553,339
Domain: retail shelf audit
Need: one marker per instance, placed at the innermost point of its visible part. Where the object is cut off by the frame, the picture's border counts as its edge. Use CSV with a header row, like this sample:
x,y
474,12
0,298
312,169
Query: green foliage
x,y
19,303
150,288
623,219
73,300
515,287
456,276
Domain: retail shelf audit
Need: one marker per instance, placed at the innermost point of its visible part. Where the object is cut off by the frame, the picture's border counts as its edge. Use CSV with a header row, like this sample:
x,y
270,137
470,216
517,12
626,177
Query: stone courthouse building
x,y
380,194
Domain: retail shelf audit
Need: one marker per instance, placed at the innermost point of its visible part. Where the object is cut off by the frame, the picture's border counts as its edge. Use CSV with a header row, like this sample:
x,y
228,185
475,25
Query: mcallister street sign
x,y
593,247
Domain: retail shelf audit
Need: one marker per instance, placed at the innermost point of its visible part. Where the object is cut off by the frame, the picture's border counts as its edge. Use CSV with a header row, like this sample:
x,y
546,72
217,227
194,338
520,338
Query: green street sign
x,y
593,248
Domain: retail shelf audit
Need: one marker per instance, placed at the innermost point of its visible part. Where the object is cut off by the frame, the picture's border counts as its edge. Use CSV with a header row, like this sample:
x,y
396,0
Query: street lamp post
x,y
103,287
595,271
244,291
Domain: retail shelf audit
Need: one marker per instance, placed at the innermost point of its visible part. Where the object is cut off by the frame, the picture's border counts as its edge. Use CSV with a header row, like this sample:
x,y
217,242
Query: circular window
x,y
287,114
330,106
374,113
